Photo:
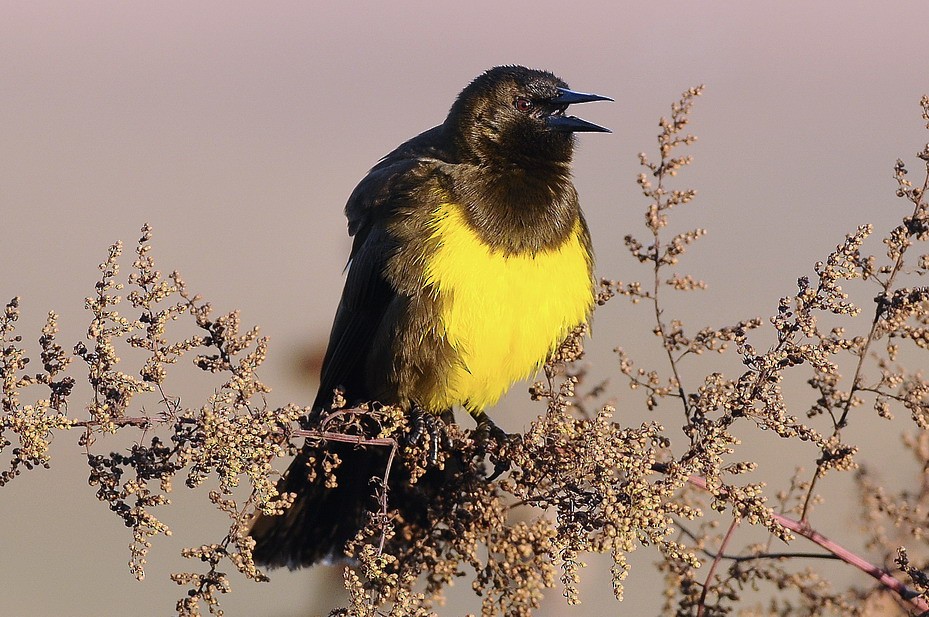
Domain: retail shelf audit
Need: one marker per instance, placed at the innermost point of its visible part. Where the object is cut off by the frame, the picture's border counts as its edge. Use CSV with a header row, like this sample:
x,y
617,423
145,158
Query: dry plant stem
x,y
898,265
855,383
802,528
142,422
342,437
701,607
362,441
656,287
755,556
382,498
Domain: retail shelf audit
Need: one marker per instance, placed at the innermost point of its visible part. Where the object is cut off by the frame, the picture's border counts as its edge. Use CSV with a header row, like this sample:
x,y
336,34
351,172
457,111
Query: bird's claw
x,y
488,432
426,426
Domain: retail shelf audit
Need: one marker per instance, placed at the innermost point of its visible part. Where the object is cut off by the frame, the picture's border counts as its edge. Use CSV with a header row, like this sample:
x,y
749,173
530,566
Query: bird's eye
x,y
522,104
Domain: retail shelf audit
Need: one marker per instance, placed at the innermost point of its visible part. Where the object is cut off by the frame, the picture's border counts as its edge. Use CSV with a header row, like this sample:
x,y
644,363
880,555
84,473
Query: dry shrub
x,y
576,482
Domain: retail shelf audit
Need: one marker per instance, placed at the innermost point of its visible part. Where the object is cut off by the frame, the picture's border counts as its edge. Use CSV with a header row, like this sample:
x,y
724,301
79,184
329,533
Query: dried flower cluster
x,y
232,435
516,515
31,423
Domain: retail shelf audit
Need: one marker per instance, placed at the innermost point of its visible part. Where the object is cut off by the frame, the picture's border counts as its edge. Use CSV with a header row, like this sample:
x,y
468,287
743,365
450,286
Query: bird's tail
x,y
322,519
336,486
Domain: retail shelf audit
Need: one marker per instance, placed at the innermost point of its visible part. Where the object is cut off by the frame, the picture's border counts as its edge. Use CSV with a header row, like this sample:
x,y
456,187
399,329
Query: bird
x,y
471,262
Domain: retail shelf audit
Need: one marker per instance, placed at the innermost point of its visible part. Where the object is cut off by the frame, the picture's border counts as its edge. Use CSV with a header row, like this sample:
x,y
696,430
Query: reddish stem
x,y
882,576
719,555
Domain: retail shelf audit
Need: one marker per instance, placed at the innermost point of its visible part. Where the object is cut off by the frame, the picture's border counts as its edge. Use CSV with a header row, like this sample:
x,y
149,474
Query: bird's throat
x,y
520,211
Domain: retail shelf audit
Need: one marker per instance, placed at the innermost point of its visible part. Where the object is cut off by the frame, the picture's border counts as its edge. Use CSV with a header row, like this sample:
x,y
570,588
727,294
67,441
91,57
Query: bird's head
x,y
515,116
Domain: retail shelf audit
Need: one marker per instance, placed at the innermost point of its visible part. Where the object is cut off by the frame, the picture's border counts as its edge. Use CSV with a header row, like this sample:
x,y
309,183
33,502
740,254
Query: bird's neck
x,y
520,210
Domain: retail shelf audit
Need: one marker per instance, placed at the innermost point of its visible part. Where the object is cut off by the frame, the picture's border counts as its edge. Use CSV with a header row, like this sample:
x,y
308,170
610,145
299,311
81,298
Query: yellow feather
x,y
503,314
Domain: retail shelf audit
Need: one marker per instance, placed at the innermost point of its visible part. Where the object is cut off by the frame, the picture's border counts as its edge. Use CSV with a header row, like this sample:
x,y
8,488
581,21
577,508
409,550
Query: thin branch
x,y
360,440
754,556
344,438
701,605
882,576
863,353
143,422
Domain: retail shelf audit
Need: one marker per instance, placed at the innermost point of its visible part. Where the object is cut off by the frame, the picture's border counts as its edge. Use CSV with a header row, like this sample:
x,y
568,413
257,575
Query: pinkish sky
x,y
239,129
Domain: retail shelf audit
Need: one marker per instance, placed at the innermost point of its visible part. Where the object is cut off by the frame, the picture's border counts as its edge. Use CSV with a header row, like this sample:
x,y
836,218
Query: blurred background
x,y
238,130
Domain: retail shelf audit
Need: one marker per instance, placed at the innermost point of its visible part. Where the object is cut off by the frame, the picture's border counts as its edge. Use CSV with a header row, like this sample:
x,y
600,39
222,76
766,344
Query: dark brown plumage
x,y
500,162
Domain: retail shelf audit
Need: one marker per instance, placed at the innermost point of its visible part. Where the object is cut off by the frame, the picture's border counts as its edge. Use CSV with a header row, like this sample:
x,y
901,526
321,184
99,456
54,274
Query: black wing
x,y
368,295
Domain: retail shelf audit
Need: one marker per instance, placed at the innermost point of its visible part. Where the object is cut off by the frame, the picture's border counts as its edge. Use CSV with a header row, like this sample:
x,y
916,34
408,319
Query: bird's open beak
x,y
573,124
569,97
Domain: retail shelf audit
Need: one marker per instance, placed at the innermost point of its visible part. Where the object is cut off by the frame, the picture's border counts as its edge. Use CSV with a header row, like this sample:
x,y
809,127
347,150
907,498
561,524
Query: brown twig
x,y
344,437
363,441
803,529
856,378
144,422
701,606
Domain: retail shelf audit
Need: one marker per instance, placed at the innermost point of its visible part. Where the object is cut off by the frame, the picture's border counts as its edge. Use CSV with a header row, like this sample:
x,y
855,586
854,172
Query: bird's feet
x,y
488,433
426,429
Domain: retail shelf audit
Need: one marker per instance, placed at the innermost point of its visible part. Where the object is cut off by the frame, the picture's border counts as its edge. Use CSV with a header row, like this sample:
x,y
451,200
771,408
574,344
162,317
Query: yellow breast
x,y
502,314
